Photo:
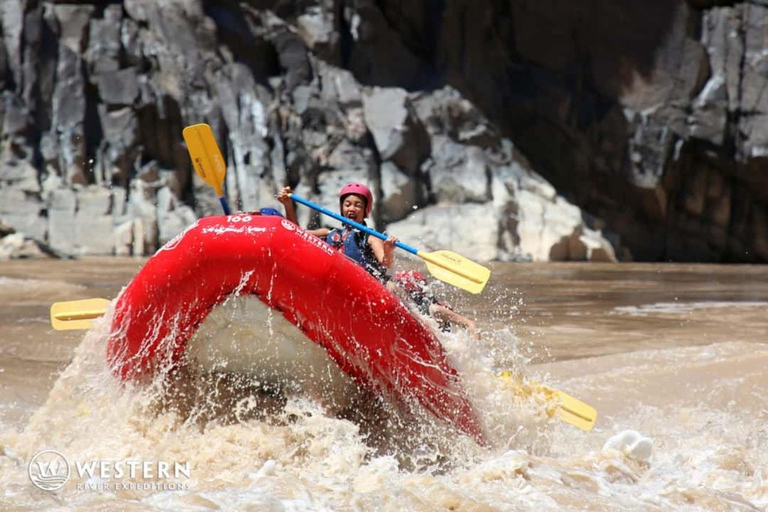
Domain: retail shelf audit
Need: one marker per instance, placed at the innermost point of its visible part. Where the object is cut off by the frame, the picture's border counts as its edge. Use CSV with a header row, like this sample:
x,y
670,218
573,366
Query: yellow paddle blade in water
x,y
559,405
206,155
457,270
77,314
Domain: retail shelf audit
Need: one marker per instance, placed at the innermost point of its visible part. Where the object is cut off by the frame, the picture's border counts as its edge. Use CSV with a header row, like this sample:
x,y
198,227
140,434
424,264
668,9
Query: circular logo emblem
x,y
288,225
48,470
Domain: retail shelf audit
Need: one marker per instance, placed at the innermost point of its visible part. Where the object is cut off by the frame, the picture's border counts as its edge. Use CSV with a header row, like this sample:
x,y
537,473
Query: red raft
x,y
362,326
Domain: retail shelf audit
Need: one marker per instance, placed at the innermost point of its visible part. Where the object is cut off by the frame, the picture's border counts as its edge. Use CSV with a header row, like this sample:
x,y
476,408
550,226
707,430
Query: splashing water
x,y
254,429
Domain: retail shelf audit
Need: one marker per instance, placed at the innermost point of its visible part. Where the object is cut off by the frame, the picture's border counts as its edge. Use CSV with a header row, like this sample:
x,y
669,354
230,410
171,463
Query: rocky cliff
x,y
552,130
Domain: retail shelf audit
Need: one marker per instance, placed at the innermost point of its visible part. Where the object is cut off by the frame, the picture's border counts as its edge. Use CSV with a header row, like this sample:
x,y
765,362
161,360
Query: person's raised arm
x,y
444,314
383,250
290,211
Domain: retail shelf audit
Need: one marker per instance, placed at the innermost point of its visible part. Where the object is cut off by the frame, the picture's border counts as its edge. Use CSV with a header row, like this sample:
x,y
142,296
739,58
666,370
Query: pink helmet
x,y
412,281
360,190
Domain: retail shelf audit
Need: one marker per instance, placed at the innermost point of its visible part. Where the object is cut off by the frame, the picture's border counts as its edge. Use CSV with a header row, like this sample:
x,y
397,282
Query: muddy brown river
x,y
673,357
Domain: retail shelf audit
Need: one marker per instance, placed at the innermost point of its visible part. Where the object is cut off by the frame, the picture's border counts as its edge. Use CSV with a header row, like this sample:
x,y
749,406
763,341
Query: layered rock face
x,y
501,130
648,115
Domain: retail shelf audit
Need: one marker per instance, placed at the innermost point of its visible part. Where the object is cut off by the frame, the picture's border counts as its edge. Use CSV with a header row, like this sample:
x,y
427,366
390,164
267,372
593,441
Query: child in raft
x,y
416,289
355,203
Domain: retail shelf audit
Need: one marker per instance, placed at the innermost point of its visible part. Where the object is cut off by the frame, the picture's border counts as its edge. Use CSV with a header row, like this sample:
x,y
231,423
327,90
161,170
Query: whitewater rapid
x,y
680,428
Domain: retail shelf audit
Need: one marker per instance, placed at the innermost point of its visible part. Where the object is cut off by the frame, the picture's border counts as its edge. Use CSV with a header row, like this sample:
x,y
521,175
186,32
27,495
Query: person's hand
x,y
285,196
389,246
389,249
472,329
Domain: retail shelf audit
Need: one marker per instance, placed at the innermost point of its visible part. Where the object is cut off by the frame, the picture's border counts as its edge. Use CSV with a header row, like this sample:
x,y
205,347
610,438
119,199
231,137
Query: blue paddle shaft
x,y
224,205
357,225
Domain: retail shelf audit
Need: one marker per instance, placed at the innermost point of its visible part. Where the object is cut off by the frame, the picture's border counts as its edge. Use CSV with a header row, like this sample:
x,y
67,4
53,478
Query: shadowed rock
x,y
646,119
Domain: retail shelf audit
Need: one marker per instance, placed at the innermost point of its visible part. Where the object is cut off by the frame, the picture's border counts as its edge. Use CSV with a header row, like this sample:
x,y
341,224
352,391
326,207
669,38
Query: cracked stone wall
x,y
527,130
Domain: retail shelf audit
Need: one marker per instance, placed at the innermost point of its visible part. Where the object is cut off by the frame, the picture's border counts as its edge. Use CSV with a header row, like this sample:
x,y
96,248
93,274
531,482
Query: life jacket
x,y
422,301
354,244
415,286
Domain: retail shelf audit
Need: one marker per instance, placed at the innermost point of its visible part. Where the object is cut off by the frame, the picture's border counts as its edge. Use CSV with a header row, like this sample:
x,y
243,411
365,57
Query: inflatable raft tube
x,y
334,302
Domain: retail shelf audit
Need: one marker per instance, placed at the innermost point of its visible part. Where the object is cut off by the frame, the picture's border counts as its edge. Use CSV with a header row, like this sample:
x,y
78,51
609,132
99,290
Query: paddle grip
x,y
357,225
224,205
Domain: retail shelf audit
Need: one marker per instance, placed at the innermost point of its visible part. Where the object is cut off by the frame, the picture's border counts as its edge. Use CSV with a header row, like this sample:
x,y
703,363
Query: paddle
x,y
76,314
209,165
559,404
206,158
445,265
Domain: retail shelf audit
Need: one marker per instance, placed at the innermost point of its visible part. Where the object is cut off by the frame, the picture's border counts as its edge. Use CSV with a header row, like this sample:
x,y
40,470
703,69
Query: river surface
x,y
673,357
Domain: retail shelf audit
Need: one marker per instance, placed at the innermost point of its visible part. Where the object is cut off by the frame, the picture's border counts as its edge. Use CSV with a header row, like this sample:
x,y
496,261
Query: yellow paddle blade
x,y
206,155
77,314
560,405
457,270
568,409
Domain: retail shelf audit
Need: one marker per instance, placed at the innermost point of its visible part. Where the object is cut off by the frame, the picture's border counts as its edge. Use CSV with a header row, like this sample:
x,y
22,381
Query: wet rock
x,y
316,27
468,229
16,118
16,246
19,173
547,226
124,239
120,146
397,132
292,55
104,46
400,194
80,221
339,85
118,87
377,53
61,219
5,229
173,217
459,173
23,212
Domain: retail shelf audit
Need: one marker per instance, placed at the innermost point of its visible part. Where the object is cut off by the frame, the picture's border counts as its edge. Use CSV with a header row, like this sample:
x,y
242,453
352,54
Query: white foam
x,y
702,456
677,308
245,336
632,444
